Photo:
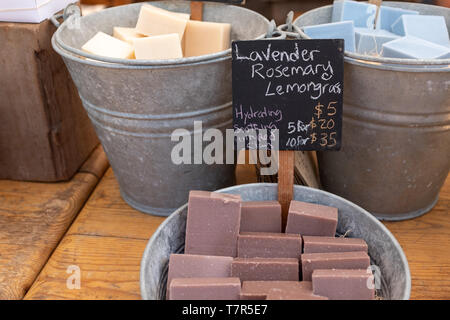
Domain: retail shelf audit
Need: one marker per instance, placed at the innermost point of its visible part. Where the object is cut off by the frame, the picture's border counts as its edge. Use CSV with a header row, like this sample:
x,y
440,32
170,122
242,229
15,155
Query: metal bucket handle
x,y
273,33
71,9
289,29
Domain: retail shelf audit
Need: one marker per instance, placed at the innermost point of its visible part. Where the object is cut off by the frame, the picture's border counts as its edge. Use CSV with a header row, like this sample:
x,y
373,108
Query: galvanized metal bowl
x,y
384,250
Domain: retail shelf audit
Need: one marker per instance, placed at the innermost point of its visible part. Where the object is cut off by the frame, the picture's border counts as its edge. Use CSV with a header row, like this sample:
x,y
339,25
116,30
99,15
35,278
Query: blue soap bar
x,y
370,41
414,48
362,14
336,30
388,15
430,28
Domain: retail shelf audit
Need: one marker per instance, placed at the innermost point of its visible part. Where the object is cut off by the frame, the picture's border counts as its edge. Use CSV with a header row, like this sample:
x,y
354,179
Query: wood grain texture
x,y
45,133
96,164
196,10
109,269
33,219
107,214
285,182
426,242
106,241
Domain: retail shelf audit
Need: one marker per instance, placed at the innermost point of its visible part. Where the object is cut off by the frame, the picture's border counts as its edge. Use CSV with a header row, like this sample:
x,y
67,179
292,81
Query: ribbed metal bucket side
x,y
136,107
396,130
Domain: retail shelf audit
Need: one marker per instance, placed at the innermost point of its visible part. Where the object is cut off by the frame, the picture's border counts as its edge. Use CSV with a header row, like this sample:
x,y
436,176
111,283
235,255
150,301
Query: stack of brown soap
x,y
229,242
264,253
212,229
278,290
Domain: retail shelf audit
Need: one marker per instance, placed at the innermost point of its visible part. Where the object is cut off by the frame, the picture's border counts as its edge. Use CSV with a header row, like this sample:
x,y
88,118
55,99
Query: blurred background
x,y
272,9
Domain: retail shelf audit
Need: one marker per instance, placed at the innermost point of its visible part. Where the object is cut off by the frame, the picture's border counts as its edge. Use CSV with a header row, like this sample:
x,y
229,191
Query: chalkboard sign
x,y
294,86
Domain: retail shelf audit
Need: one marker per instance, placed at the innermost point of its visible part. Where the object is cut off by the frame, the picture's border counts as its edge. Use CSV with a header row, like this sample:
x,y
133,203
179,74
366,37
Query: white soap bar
x,y
203,37
104,45
165,46
126,34
153,22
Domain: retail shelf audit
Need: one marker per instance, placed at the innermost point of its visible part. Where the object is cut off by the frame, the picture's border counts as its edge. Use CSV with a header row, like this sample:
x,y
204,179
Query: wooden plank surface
x,y
106,242
426,243
108,238
109,269
34,218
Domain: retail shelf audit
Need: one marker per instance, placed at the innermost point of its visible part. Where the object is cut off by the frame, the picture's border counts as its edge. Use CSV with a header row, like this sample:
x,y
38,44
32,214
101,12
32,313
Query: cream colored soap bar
x,y
203,37
182,15
126,34
153,22
104,45
165,46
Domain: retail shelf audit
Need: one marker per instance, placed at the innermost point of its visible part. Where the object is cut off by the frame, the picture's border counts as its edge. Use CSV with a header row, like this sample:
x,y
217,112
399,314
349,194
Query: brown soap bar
x,y
265,269
261,216
289,294
213,222
344,284
197,266
313,244
269,245
333,260
309,219
258,290
205,289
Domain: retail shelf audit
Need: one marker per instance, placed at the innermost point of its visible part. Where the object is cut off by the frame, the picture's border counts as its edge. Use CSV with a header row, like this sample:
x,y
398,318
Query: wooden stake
x,y
378,4
285,182
305,168
196,10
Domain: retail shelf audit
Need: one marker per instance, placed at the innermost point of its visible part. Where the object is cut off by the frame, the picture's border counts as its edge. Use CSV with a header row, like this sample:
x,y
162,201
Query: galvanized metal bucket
x,y
135,105
387,257
395,152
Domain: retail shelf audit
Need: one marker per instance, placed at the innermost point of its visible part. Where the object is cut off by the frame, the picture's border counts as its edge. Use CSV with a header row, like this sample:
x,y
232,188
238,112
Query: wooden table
x,y
107,239
34,218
